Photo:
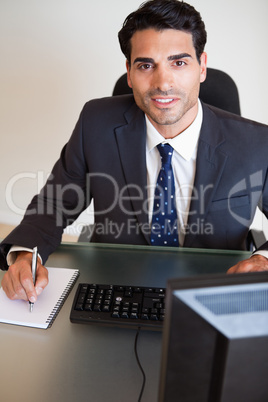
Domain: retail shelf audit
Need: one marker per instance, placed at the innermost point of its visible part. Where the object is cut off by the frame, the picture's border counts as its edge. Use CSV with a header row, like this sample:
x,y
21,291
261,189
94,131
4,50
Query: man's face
x,y
165,77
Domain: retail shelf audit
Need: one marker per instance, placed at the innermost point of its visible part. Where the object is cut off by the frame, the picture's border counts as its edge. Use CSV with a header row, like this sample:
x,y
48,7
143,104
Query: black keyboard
x,y
125,306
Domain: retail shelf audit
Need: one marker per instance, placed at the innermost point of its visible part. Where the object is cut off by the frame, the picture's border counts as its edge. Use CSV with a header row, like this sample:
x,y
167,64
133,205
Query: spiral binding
x,y
51,318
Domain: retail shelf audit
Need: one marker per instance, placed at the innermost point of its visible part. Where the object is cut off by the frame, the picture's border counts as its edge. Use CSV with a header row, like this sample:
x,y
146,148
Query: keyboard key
x,y
105,287
115,314
144,317
119,288
82,297
154,294
100,291
79,307
145,310
88,307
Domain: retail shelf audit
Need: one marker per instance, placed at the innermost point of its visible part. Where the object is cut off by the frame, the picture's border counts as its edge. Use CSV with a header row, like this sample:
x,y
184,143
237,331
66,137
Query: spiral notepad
x,y
48,304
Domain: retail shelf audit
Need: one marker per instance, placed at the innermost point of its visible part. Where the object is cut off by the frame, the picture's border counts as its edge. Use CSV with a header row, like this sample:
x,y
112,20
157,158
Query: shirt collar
x,y
185,143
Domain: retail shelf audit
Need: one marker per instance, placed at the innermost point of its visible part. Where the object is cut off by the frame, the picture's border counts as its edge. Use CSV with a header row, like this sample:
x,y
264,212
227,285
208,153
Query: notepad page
x,y
47,305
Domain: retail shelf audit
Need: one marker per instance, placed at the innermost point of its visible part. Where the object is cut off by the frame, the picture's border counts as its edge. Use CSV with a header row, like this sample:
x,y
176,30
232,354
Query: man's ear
x,y
203,67
128,74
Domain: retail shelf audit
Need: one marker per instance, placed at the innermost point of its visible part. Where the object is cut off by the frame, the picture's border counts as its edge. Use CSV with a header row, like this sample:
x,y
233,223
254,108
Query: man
x,y
218,168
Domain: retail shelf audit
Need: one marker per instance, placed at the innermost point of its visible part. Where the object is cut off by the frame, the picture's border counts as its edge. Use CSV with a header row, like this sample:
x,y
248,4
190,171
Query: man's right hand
x,y
18,282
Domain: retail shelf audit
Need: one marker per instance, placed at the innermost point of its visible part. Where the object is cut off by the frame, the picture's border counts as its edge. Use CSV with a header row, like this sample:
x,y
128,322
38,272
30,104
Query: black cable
x,y
139,364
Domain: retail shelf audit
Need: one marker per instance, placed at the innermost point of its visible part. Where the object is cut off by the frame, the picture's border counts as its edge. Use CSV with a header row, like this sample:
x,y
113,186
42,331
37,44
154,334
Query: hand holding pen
x,y
18,280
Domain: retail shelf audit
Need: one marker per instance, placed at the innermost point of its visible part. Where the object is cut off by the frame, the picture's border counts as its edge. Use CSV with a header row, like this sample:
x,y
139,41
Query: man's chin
x,y
164,120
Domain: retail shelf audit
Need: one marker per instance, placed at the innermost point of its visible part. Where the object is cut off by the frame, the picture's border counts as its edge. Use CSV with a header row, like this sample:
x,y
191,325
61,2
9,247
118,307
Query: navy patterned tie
x,y
164,230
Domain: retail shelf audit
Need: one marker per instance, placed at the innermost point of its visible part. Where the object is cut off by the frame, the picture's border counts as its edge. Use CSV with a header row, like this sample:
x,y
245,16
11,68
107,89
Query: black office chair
x,y
219,90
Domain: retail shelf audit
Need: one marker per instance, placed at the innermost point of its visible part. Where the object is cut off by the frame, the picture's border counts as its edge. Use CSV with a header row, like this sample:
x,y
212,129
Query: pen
x,y
34,264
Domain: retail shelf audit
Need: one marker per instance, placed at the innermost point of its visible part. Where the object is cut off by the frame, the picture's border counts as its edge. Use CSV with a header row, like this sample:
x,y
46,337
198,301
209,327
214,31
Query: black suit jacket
x,y
105,160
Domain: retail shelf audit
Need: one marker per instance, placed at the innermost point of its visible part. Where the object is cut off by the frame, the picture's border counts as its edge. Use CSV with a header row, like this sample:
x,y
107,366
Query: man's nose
x,y
163,78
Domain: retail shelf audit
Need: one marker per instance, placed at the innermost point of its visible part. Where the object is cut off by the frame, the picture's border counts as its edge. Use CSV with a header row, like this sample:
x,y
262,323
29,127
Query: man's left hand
x,y
256,263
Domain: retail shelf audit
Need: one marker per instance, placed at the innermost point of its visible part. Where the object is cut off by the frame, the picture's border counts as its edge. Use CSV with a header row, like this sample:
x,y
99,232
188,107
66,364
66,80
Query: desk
x,y
71,362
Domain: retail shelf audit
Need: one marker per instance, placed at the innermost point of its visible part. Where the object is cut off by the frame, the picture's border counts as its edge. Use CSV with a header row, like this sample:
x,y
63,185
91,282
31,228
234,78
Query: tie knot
x,y
166,152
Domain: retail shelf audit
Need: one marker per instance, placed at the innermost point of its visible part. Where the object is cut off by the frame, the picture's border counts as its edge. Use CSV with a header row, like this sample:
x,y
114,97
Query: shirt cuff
x,y
12,254
264,253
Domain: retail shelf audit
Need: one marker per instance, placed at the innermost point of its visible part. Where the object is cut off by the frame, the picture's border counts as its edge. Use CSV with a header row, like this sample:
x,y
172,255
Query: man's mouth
x,y
164,100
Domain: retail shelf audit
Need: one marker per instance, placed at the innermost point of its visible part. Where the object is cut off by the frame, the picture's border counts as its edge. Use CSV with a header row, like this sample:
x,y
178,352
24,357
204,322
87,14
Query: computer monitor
x,y
215,339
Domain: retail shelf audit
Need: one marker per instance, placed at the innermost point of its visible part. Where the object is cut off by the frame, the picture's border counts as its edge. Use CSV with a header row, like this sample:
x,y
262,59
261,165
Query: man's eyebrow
x,y
143,60
179,56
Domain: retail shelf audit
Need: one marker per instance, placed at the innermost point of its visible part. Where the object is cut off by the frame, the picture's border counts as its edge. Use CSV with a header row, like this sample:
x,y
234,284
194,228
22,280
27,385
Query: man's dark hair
x,y
160,15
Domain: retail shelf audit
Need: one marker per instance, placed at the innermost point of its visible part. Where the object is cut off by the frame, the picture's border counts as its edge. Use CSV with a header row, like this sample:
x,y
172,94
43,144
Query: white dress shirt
x,y
183,165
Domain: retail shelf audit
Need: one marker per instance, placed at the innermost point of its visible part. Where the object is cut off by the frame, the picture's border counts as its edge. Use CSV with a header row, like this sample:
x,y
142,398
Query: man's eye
x,y
179,63
145,66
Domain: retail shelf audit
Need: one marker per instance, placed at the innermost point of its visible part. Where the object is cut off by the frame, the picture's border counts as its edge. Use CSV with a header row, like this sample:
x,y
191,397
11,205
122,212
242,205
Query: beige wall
x,y
57,54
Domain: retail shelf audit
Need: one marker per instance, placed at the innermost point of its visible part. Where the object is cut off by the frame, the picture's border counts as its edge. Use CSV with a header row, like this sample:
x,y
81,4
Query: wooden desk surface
x,y
72,362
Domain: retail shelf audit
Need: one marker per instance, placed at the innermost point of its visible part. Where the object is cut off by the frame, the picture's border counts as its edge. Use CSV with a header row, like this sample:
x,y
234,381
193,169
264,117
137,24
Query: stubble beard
x,y
166,116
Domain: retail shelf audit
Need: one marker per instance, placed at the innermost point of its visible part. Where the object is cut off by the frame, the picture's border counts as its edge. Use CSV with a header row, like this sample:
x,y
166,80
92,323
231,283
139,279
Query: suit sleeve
x,y
59,203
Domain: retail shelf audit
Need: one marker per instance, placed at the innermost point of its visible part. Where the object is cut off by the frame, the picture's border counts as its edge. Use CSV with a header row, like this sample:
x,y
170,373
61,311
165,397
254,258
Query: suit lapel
x,y
131,140
210,164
